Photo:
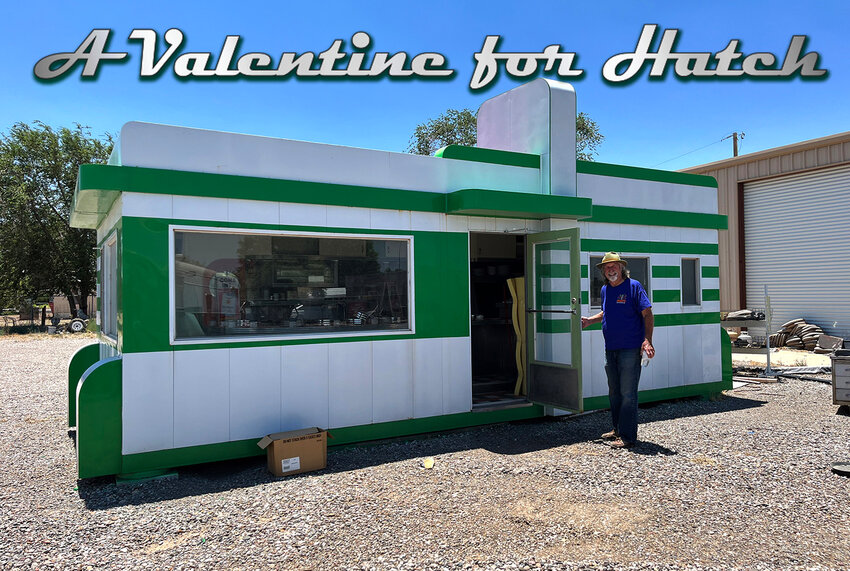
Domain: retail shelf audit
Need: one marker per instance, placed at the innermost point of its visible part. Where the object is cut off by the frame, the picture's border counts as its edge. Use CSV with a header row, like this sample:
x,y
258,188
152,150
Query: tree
x,y
459,128
40,254
451,128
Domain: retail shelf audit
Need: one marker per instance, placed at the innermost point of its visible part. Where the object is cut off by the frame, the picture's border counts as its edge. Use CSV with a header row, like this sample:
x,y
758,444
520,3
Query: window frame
x,y
592,268
109,278
240,339
697,281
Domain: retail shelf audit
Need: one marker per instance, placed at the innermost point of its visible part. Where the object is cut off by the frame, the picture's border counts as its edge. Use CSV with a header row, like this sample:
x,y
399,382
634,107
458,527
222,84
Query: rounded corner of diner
x,y
258,285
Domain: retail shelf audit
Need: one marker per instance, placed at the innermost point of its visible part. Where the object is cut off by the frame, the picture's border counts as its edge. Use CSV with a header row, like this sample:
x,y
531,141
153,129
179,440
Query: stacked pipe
x,y
797,334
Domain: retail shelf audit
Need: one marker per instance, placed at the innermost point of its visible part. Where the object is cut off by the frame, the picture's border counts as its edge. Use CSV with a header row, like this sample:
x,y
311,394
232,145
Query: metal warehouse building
x,y
789,228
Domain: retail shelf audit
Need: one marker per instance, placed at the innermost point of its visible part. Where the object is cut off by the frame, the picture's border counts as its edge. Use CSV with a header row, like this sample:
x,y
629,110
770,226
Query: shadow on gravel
x,y
520,437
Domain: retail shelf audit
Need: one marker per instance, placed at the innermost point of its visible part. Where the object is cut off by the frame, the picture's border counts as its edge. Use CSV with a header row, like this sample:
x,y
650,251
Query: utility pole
x,y
734,137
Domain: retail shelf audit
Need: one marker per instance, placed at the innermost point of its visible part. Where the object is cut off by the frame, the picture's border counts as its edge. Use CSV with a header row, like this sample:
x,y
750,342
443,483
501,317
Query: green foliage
x,y
451,128
460,128
588,137
40,254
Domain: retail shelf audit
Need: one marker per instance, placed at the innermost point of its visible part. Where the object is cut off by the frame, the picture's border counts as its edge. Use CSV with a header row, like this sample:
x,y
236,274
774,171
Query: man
x,y
627,325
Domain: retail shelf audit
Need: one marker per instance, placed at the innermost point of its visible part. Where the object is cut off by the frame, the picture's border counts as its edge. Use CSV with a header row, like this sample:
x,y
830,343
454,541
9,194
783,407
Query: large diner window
x,y
262,284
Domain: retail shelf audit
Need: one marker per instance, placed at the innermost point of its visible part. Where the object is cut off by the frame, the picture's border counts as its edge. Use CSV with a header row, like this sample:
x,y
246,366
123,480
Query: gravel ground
x,y
741,482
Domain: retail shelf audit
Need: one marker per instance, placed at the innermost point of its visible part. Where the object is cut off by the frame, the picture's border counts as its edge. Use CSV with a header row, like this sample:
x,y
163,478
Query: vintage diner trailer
x,y
248,285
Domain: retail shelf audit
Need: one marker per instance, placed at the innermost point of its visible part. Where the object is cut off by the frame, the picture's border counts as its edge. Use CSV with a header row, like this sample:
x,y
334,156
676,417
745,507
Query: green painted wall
x,y
84,358
99,427
441,284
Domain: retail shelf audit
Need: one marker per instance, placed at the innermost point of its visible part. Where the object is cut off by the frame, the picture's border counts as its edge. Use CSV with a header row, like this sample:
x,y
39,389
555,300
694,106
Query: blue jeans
x,y
623,369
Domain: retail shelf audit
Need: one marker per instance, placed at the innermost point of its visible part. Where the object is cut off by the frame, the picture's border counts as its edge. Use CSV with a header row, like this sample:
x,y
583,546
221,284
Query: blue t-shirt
x,y
622,321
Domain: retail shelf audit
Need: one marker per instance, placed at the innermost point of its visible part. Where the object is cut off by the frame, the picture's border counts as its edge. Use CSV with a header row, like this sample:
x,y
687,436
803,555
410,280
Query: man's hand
x,y
585,321
647,348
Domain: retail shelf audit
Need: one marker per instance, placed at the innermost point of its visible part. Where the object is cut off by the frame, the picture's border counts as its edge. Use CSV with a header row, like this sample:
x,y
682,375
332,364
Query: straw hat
x,y
611,257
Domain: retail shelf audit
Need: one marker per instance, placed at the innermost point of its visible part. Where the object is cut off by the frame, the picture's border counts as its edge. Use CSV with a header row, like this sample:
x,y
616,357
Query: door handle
x,y
529,310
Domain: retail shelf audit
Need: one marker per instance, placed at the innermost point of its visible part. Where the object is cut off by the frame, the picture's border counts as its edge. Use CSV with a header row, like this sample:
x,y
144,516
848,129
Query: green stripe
x,y
676,319
711,295
702,389
552,325
99,185
648,217
585,298
665,295
665,271
163,459
593,245
638,173
491,156
710,271
553,270
554,298
584,270
479,202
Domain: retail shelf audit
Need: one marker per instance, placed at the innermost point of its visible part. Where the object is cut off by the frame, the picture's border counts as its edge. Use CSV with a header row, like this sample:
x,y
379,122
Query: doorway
x,y
494,260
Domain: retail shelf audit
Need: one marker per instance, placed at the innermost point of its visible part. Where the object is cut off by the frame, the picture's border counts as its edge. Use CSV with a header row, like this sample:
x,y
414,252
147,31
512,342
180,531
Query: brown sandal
x,y
620,443
610,435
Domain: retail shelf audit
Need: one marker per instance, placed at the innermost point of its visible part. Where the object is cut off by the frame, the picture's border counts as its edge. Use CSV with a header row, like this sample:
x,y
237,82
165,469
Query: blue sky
x,y
649,123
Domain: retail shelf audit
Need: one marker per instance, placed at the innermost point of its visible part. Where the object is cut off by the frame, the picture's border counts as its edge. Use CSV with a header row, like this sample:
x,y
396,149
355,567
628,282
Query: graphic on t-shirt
x,y
621,298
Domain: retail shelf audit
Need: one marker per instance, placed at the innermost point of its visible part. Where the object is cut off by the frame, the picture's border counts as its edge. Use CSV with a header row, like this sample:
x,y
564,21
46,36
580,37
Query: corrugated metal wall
x,y
797,242
807,156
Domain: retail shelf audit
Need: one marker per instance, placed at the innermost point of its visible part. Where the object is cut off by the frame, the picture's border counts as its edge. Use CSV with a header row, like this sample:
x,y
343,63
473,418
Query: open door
x,y
554,320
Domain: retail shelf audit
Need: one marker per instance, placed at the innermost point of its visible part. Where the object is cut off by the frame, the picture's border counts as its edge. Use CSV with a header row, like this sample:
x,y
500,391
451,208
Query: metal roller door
x,y
797,242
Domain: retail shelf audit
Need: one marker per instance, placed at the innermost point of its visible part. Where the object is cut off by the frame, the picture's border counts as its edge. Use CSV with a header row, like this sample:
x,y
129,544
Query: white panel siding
x,y
428,377
660,364
201,397
254,392
427,221
147,205
350,366
392,380
794,224
108,223
200,208
348,217
147,394
252,211
633,193
389,219
457,375
712,364
675,359
196,150
304,386
292,214
692,355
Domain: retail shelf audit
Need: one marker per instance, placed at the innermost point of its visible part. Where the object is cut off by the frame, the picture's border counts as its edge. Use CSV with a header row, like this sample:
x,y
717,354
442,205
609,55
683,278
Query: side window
x,y
690,282
638,270
109,269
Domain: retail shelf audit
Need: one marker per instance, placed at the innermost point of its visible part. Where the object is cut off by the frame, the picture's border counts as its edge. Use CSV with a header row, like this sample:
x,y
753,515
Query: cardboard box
x,y
296,451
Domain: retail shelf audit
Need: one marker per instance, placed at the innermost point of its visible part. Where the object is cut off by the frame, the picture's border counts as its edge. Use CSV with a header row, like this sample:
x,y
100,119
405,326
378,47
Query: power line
x,y
735,134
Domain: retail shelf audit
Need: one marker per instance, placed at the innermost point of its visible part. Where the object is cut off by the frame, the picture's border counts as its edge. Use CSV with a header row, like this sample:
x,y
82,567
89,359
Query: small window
x,y
109,269
690,282
230,284
638,270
